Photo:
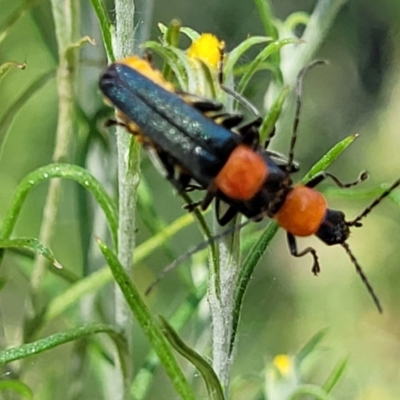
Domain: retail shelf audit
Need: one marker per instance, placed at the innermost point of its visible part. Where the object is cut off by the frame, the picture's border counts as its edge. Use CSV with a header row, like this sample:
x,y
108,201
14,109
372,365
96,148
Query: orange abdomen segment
x,y
302,212
243,175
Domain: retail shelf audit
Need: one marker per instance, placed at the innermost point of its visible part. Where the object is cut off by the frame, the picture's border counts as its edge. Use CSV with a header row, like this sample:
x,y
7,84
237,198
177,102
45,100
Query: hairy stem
x,y
128,180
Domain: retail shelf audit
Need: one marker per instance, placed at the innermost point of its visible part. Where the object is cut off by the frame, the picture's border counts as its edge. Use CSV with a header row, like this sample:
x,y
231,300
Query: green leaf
x,y
171,59
363,193
171,38
106,27
268,124
213,385
163,28
16,386
52,341
267,65
33,244
266,16
181,316
18,103
246,272
295,19
148,325
335,376
261,57
238,51
157,240
194,78
209,80
67,171
98,279
310,346
190,33
329,158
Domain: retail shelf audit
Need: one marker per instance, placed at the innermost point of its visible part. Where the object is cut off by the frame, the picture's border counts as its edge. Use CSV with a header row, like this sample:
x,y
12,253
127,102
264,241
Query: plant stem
x,y
221,301
315,33
66,19
128,180
221,294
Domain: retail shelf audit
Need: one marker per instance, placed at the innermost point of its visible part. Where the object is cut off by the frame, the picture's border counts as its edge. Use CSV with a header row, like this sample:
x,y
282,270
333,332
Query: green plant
x,y
55,291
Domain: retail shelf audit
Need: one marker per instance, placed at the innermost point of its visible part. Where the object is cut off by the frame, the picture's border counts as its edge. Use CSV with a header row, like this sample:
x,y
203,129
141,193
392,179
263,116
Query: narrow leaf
x,y
29,349
268,124
246,272
213,385
16,386
66,171
148,325
181,316
363,193
310,346
170,58
266,16
235,54
335,376
295,19
171,38
190,33
105,26
329,158
261,57
33,244
98,279
18,103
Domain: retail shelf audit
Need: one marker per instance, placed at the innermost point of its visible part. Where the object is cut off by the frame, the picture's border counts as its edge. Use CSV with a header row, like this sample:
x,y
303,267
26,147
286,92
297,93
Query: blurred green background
x,y
358,92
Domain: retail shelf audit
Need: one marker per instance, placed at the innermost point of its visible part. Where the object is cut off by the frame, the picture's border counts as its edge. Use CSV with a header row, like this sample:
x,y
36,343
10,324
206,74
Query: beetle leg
x,y
323,175
282,162
229,214
294,252
250,134
167,167
208,198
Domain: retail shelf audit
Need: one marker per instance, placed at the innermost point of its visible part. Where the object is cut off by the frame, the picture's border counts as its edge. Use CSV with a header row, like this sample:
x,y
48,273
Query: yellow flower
x,y
207,48
283,363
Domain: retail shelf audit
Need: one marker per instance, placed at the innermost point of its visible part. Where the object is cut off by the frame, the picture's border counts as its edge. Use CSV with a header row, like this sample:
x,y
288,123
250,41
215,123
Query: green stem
x,y
128,180
317,28
222,303
66,18
222,284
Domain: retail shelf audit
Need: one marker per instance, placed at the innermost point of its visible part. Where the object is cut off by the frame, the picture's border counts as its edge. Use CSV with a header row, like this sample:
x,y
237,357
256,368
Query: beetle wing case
x,y
196,142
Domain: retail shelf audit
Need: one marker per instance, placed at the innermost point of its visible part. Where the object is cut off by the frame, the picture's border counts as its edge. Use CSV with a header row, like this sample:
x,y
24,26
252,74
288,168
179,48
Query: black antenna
x,y
363,277
299,89
356,222
192,251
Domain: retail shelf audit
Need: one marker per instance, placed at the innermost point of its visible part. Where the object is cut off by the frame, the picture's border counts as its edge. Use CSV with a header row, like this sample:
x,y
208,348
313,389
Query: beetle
x,y
195,140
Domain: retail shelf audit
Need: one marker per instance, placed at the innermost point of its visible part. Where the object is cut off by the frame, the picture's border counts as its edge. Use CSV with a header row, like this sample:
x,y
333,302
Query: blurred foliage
x,y
358,92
